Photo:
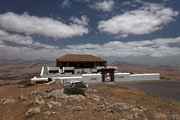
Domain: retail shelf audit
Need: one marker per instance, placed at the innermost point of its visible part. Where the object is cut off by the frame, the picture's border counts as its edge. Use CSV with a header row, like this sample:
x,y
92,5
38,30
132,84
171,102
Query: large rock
x,y
21,98
35,94
94,97
52,104
91,90
32,111
77,108
118,107
5,100
49,90
78,98
37,100
49,113
57,95
160,116
100,108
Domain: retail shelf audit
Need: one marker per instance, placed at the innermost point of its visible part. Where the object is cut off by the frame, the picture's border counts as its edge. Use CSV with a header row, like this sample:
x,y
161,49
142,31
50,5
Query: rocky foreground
x,y
109,103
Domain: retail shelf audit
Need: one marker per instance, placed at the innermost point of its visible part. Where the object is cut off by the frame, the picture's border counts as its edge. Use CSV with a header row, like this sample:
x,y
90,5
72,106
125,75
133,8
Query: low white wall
x,y
138,77
91,78
121,76
67,79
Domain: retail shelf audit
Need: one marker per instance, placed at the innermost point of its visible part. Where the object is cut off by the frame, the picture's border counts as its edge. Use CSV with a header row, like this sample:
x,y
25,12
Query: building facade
x,y
80,63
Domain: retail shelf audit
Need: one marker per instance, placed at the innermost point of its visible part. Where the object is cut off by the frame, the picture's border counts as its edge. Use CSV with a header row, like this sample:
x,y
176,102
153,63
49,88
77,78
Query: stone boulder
x,y
21,98
77,108
6,101
49,90
37,100
78,98
94,97
118,107
57,95
160,116
32,111
34,94
52,104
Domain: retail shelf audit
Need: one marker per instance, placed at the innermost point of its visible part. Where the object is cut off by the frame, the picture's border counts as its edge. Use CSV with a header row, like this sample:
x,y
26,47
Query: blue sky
x,y
136,31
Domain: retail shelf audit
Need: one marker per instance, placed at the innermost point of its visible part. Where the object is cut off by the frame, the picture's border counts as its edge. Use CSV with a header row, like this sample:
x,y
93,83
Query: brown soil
x,y
17,109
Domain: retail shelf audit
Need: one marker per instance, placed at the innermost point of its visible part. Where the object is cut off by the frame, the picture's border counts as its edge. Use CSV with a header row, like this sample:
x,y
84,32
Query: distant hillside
x,y
122,63
20,61
17,70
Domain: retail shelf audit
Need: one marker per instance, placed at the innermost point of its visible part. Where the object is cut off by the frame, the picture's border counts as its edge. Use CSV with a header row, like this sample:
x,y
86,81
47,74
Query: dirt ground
x,y
111,94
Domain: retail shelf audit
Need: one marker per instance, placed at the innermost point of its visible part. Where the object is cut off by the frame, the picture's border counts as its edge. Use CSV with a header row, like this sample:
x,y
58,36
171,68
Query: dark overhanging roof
x,y
79,58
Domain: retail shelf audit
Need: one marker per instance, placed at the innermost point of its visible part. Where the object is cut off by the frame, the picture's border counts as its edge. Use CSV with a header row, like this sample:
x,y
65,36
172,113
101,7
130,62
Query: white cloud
x,y
27,41
65,3
45,46
15,38
147,19
106,5
83,21
155,48
40,25
160,47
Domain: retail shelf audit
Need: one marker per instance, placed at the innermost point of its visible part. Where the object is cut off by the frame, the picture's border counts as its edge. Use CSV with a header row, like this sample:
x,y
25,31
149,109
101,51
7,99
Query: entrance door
x,y
107,75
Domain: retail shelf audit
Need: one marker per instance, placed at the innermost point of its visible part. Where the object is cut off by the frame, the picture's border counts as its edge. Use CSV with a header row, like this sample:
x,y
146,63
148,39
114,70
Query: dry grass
x,y
111,95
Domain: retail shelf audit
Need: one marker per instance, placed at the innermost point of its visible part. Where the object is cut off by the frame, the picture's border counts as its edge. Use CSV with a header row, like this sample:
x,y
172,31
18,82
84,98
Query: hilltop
x,y
100,103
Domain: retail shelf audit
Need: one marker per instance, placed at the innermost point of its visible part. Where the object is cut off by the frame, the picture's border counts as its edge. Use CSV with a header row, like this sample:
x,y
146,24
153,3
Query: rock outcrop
x,y
32,111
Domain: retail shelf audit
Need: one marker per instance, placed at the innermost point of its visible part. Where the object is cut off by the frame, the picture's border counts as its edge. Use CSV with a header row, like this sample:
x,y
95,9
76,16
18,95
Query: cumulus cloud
x,y
83,21
26,41
45,26
155,48
65,3
161,47
106,5
147,19
15,38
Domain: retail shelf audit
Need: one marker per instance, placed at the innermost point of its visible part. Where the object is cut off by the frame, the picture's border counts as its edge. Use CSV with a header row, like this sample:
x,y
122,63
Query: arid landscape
x,y
18,70
101,102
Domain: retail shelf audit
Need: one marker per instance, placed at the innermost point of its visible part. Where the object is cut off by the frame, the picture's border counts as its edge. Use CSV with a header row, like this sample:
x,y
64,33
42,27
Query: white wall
x,y
67,79
91,78
68,68
136,77
121,76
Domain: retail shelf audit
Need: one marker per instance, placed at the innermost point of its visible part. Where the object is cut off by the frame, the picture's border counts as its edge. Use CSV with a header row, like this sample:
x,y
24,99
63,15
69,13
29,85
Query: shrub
x,y
74,91
26,83
162,77
80,85
23,82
